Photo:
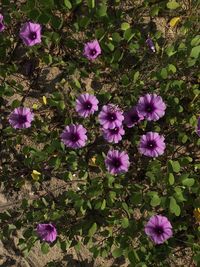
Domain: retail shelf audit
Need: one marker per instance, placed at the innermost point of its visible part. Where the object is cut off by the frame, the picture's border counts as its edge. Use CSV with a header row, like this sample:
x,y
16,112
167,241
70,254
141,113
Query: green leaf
x,y
125,222
68,4
16,103
125,26
117,252
125,207
44,18
173,5
47,3
164,73
47,58
179,194
195,52
128,34
184,138
45,248
171,68
171,178
197,258
155,201
103,205
195,41
188,182
170,51
102,9
34,14
136,76
110,46
174,165
116,37
133,257
174,207
56,22
84,22
91,3
154,11
92,230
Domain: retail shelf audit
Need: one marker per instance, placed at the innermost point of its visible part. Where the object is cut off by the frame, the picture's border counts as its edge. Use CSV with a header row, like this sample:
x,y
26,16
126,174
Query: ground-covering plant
x,y
120,127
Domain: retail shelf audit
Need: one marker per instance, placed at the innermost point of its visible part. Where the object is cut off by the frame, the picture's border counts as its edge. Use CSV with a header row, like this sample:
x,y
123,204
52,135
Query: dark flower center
x,y
74,137
49,228
159,230
134,118
151,144
87,105
111,116
114,131
149,108
93,52
116,162
22,119
32,35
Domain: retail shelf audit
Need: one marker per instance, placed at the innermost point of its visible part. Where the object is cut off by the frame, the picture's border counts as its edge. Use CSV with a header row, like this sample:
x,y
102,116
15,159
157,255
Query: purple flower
x,y
2,27
150,44
86,105
30,33
47,232
110,116
21,118
74,136
151,107
117,162
198,127
113,135
132,117
152,144
92,50
159,229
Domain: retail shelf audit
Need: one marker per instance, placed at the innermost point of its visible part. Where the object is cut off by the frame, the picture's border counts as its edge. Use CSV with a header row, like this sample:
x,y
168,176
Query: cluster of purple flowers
x,y
158,228
112,120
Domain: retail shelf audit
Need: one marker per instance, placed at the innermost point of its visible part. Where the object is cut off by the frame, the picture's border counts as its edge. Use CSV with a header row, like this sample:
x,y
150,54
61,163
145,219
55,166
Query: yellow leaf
x,y
35,175
35,106
92,161
197,214
174,21
44,99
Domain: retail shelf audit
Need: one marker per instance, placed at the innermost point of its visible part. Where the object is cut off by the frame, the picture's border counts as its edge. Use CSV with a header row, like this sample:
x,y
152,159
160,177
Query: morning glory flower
x,y
152,144
92,50
86,105
151,106
111,116
30,33
159,229
74,136
117,162
21,118
47,232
